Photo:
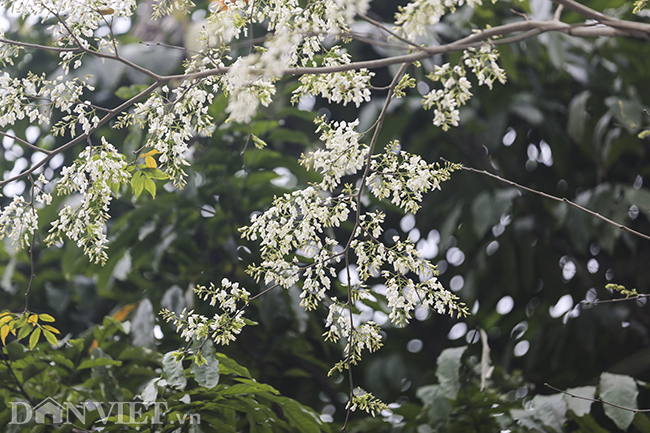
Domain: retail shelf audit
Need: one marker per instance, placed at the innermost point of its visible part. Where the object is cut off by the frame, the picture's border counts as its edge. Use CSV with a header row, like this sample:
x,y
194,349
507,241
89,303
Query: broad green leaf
x,y
551,410
229,366
447,371
33,369
150,392
580,406
622,391
98,362
174,372
207,375
153,173
436,403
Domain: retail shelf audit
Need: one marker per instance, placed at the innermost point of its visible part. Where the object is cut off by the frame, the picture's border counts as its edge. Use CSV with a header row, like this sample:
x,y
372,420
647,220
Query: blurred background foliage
x,y
566,124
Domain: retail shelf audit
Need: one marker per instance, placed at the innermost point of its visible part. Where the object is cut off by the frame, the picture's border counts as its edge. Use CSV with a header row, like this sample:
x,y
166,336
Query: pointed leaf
x,y
33,340
24,331
50,337
46,318
137,183
4,331
150,186
51,329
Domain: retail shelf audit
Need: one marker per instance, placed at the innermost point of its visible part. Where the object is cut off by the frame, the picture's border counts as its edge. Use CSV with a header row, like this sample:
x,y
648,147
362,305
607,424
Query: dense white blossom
x,y
94,175
416,16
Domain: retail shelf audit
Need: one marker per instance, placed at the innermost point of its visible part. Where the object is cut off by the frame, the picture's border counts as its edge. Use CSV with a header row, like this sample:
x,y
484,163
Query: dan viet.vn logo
x,y
49,411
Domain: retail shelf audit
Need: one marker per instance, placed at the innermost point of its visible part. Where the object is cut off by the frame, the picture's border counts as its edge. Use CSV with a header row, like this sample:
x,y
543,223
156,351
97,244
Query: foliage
x,y
326,225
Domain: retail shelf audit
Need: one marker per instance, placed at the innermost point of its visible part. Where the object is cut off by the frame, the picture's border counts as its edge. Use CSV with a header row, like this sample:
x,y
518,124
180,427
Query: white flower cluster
x,y
293,222
77,20
343,153
404,295
94,175
172,120
362,337
448,100
7,51
221,327
416,16
35,98
338,87
247,89
405,177
18,221
484,65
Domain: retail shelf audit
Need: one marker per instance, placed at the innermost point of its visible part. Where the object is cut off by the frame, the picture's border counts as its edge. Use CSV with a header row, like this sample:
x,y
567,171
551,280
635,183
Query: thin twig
x,y
563,200
597,400
606,301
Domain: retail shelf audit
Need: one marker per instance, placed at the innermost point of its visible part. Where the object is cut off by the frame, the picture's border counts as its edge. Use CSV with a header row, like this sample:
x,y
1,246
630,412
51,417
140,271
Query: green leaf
x,y
299,416
150,186
207,375
137,183
248,388
622,391
551,410
228,366
580,406
25,331
50,337
98,362
129,92
447,371
46,318
33,369
153,173
578,116
436,403
174,372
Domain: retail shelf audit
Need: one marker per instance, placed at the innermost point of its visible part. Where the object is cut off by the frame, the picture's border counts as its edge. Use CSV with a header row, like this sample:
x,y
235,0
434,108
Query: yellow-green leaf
x,y
51,338
150,186
24,331
34,338
150,162
5,319
33,319
4,331
46,318
259,143
137,183
51,329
